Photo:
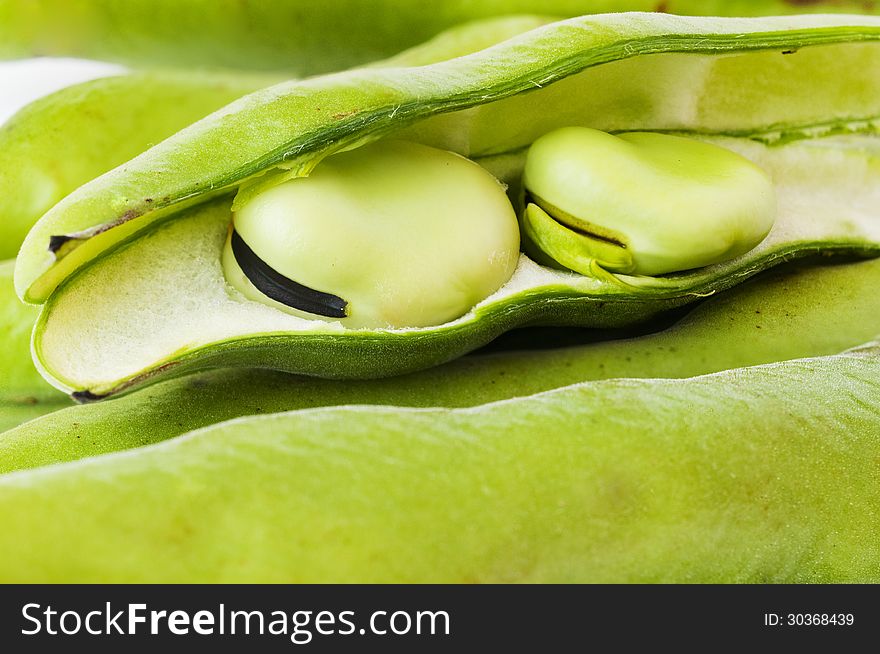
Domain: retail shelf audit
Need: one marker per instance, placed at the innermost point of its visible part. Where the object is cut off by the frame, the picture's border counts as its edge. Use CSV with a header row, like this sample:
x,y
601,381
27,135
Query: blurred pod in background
x,y
300,37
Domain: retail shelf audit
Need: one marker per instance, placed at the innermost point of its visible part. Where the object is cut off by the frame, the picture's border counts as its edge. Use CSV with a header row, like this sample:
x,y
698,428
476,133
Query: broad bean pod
x,y
298,36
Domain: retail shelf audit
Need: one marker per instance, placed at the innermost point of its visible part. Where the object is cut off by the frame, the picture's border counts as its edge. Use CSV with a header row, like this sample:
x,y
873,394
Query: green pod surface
x,y
297,36
696,75
786,313
763,474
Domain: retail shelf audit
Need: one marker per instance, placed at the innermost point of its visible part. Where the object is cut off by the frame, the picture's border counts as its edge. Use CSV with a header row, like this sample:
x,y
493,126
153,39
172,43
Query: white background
x,y
22,82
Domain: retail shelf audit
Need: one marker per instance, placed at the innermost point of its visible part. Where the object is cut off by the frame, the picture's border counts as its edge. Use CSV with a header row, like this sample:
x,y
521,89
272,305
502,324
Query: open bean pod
x,y
129,268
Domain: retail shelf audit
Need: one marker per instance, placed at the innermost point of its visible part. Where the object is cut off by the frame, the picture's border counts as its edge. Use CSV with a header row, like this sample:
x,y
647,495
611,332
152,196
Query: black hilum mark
x,y
276,286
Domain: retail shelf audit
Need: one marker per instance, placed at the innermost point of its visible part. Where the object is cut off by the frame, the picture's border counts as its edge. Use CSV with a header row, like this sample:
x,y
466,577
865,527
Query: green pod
x,y
764,474
488,106
786,313
297,36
